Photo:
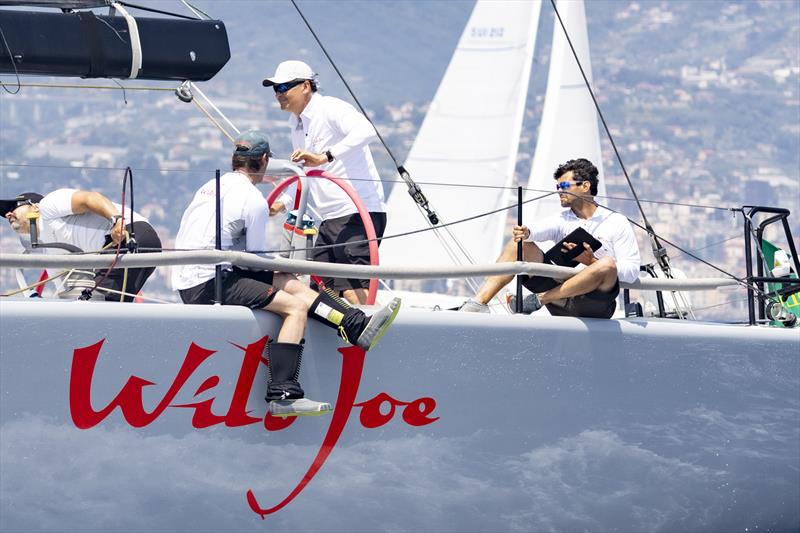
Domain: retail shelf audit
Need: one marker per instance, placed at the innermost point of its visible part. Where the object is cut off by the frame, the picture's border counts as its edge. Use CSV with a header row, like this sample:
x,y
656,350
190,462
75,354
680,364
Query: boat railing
x,y
280,264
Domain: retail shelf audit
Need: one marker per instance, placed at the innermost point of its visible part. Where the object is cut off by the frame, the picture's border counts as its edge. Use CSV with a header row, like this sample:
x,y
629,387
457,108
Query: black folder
x,y
555,256
567,258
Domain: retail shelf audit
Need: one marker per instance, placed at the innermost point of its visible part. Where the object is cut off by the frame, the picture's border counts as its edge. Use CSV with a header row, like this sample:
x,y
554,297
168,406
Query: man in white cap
x,y
244,228
331,134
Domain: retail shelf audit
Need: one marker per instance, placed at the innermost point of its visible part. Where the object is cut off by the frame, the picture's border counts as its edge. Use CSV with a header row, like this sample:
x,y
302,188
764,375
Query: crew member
x,y
592,292
244,228
331,134
90,222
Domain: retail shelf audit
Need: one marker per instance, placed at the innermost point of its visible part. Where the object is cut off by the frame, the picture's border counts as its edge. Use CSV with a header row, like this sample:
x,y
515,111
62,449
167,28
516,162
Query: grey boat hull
x,y
455,422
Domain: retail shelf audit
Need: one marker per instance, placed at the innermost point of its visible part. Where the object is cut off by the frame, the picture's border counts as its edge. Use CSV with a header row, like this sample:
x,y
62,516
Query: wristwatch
x,y
114,220
329,155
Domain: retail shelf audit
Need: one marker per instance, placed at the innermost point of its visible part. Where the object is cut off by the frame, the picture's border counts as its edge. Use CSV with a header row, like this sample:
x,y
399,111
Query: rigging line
x,y
13,64
194,87
344,81
413,189
711,245
68,86
404,234
113,29
454,185
67,167
123,294
448,248
213,120
196,10
124,95
33,286
737,300
657,251
741,281
153,10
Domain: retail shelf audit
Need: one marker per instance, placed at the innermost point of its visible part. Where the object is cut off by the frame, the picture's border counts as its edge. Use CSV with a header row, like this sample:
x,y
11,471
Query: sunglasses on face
x,y
564,185
283,87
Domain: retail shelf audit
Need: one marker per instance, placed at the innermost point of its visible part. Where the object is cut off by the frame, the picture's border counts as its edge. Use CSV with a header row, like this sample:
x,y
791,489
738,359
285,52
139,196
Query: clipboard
x,y
556,257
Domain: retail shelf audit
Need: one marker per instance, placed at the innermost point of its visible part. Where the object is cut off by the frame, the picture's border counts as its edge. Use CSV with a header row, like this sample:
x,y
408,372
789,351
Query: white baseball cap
x,y
289,71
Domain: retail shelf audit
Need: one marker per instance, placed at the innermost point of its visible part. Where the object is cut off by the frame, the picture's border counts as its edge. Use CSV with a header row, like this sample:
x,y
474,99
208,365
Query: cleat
x,y
530,304
298,407
378,324
471,306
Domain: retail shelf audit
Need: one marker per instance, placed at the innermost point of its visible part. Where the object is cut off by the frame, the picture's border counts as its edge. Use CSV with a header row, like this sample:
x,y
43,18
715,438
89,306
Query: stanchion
x,y
218,268
519,251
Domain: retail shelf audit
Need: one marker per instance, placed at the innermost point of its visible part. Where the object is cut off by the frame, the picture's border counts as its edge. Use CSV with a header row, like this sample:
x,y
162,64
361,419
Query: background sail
x,y
470,137
569,120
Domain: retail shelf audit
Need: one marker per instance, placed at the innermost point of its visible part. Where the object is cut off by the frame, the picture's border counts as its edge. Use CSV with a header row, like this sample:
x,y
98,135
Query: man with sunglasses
x,y
331,134
85,221
592,292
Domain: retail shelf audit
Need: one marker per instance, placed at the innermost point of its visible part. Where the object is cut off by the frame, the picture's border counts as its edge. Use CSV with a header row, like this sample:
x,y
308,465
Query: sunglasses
x,y
281,88
564,185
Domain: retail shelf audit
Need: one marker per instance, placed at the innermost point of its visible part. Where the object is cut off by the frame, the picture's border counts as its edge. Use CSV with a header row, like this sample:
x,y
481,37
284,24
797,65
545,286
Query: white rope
x,y
136,45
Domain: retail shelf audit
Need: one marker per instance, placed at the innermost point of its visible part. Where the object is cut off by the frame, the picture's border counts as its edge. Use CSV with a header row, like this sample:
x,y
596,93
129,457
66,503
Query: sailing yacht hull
x,y
453,422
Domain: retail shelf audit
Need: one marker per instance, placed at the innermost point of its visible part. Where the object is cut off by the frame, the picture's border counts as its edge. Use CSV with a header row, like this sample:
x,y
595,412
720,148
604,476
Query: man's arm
x,y
626,252
357,131
93,202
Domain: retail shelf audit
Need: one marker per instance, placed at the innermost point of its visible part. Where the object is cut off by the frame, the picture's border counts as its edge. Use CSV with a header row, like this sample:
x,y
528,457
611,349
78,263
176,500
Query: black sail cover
x,y
82,44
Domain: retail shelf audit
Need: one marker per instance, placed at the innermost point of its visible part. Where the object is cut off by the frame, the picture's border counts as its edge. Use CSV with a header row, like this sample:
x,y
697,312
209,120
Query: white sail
x,y
470,137
569,127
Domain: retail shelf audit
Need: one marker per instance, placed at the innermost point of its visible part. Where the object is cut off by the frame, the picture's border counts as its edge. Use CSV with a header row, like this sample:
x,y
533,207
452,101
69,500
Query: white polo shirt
x,y
611,229
244,225
87,231
328,123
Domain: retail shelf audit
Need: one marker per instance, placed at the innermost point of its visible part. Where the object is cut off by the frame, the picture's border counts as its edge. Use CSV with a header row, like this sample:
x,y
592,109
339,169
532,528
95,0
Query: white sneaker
x,y
298,407
471,306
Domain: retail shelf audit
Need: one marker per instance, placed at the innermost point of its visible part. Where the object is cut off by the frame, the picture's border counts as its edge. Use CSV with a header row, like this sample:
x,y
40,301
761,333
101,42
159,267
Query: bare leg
x,y
355,296
600,275
290,284
294,313
530,252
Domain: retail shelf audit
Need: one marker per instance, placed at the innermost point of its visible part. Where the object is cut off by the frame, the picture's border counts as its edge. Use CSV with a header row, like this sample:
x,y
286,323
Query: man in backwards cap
x,y
331,134
244,227
89,221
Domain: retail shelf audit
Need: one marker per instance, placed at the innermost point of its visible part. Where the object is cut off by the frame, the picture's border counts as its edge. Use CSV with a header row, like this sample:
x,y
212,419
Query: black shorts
x,y
349,233
250,288
595,304
132,281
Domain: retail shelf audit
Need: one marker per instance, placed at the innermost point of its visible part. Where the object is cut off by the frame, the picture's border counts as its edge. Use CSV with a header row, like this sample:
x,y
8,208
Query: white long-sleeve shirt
x,y
611,229
328,123
244,225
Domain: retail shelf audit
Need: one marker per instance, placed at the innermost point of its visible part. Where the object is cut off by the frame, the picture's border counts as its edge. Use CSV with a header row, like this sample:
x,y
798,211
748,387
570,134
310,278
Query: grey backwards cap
x,y
252,143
